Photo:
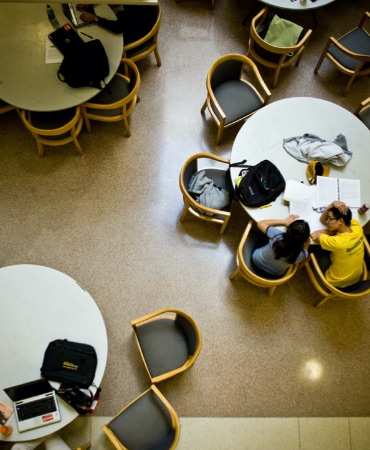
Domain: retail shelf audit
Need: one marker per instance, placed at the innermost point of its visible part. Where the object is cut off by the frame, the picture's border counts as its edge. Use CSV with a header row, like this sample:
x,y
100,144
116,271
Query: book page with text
x,y
350,192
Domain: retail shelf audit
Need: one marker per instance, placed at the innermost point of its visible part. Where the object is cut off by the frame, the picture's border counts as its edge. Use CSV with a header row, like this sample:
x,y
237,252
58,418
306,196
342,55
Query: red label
x,y
47,417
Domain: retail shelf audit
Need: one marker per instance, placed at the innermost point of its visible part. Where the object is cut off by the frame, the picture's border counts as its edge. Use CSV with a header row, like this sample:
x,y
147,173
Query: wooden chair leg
x,y
184,213
204,107
157,57
234,274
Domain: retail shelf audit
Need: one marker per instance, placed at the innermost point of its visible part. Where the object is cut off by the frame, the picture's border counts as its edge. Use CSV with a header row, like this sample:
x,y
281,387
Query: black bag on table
x,y
260,185
85,64
71,363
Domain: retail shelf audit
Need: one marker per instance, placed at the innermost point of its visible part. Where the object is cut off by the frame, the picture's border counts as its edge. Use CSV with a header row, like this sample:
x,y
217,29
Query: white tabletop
x,y
26,81
40,305
296,4
261,137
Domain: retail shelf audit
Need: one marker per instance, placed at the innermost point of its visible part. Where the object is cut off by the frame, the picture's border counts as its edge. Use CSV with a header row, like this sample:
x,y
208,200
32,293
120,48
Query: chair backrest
x,y
51,124
226,71
148,422
190,330
326,289
151,30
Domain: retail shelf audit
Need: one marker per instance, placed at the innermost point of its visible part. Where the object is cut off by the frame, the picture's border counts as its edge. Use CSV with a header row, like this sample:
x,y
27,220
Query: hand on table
x,y
290,219
87,17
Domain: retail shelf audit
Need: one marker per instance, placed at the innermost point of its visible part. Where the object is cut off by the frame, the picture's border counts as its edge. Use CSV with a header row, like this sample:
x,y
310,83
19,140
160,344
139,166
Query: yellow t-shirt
x,y
347,255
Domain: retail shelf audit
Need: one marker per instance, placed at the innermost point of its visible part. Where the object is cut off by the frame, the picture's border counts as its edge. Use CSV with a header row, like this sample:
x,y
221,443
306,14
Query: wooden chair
x,y
363,112
350,54
116,101
221,179
148,43
358,290
169,342
54,128
231,97
5,107
148,422
272,56
246,268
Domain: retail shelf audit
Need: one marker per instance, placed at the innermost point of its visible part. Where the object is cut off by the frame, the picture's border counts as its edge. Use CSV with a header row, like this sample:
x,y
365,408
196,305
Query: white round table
x,y
261,137
40,305
26,81
296,4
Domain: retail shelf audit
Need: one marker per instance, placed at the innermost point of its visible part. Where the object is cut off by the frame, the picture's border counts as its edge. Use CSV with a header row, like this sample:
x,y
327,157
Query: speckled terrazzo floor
x,y
110,219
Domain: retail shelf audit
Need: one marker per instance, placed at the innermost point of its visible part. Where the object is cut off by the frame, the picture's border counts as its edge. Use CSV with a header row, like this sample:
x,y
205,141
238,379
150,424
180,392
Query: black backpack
x,y
85,64
260,185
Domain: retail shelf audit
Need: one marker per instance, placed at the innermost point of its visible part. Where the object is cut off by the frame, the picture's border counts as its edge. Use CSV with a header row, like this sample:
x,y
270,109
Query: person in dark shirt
x,y
134,21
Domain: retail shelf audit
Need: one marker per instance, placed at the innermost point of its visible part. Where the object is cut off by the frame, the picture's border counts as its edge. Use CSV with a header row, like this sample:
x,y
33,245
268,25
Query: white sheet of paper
x,y
52,54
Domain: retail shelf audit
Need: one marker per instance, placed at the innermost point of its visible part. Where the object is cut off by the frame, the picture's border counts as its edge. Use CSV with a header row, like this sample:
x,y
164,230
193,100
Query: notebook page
x,y
326,191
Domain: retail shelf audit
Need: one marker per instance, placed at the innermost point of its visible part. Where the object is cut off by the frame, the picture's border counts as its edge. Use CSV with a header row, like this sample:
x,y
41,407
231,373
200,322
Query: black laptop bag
x,y
71,363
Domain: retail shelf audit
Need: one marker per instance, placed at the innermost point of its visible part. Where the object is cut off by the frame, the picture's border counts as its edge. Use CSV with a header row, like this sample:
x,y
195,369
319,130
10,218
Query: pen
x,y
266,206
86,35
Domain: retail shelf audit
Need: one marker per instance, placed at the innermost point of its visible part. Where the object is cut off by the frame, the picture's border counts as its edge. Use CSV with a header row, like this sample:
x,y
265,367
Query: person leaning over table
x,y
284,248
134,21
342,251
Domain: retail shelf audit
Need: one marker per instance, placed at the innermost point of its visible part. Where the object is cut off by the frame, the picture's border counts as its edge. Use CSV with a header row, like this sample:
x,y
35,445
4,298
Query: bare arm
x,y
315,236
264,224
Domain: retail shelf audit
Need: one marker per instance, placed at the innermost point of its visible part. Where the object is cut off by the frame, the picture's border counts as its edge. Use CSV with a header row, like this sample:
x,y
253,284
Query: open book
x,y
329,189
301,198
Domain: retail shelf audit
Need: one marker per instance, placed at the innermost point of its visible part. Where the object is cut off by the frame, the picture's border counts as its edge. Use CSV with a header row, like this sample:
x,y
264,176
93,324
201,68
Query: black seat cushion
x,y
237,99
117,89
357,41
145,425
164,344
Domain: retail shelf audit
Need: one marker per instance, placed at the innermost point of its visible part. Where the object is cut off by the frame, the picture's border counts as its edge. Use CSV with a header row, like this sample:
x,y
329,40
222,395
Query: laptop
x,y
65,38
72,14
35,404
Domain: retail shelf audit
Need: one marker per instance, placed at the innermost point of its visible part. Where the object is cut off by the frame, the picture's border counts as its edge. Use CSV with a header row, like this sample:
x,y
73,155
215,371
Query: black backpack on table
x,y
261,184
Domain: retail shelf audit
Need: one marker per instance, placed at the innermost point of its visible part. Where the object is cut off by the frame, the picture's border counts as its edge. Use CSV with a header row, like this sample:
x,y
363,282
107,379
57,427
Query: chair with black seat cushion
x,y
149,422
148,29
353,292
116,101
54,128
231,95
363,112
169,342
276,56
220,177
350,53
245,267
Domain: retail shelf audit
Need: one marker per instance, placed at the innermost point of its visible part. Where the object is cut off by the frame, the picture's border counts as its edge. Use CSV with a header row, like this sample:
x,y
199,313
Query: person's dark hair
x,y
338,215
290,245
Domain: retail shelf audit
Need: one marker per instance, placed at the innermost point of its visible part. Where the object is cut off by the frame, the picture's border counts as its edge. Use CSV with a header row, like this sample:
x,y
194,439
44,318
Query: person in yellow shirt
x,y
343,242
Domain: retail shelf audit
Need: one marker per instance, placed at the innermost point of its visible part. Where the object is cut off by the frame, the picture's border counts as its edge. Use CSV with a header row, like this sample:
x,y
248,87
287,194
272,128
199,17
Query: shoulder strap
x,y
239,164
